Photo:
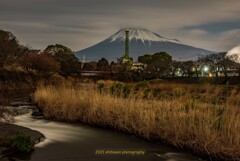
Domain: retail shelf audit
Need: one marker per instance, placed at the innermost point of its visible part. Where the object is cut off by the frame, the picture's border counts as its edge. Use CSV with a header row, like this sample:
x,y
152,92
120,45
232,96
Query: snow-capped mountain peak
x,y
234,54
143,35
141,42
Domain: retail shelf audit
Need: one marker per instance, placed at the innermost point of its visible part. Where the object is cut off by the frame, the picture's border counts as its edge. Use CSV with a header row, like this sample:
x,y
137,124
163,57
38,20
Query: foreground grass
x,y
209,129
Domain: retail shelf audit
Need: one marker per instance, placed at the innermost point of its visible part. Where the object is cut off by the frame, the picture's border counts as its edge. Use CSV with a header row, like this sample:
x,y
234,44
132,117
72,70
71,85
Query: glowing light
x,y
205,69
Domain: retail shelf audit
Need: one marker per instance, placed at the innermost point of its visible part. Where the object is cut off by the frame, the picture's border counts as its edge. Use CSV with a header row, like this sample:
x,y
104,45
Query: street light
x,y
205,69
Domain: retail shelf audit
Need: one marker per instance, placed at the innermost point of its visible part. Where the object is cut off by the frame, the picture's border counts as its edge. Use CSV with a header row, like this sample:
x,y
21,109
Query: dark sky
x,y
209,24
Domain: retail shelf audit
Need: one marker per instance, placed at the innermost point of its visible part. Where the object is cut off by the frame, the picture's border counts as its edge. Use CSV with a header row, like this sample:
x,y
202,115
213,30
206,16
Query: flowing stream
x,y
80,142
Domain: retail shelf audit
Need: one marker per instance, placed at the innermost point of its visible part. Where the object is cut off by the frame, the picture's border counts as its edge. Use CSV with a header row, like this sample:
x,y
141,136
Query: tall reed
x,y
205,128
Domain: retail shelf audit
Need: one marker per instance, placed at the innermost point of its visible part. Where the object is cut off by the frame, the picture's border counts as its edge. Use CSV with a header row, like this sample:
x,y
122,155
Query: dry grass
x,y
205,128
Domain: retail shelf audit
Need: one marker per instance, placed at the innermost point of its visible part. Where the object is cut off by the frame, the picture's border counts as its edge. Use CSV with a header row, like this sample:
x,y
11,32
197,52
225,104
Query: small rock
x,y
37,113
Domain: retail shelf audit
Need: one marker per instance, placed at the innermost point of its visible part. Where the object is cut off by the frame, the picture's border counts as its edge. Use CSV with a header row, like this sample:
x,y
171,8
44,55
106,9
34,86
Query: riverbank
x,y
7,130
202,119
19,79
14,103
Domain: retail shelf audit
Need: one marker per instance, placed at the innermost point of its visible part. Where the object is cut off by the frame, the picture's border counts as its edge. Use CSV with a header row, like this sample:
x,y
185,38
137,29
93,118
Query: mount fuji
x,y
141,41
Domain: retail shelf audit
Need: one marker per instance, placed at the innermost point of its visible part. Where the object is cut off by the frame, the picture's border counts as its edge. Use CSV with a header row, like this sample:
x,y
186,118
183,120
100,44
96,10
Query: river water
x,y
80,142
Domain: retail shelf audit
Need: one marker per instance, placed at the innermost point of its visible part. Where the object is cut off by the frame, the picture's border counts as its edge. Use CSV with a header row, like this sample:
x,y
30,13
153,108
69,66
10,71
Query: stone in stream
x,y
7,130
6,115
17,107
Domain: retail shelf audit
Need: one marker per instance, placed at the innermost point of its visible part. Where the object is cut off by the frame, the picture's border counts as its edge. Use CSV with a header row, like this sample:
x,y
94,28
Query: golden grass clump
x,y
207,128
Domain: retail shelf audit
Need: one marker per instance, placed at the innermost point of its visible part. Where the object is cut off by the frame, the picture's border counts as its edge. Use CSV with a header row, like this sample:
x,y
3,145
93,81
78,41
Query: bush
x,y
156,93
147,93
142,84
126,90
21,141
116,89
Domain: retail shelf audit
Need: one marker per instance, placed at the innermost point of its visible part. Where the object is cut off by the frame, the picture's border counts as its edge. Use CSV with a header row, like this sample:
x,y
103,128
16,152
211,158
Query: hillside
x,y
142,42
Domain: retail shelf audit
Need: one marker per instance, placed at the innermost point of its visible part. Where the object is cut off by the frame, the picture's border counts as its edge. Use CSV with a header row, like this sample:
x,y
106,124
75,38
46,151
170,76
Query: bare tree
x,y
187,68
218,63
40,62
235,63
102,65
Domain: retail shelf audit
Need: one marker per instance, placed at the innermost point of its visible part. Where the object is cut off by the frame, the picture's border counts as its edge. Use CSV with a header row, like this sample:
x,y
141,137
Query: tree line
x,y
216,64
55,58
161,65
61,59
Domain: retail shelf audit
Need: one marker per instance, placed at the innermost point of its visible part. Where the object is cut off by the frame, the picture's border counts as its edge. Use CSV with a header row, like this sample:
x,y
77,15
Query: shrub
x,y
126,90
21,141
142,84
147,93
156,93
116,89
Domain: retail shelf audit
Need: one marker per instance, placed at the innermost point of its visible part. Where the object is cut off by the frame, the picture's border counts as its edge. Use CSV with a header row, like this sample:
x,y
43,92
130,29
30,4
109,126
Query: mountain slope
x,y
141,41
234,54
